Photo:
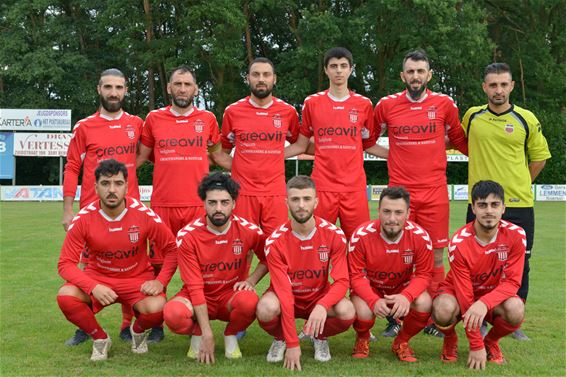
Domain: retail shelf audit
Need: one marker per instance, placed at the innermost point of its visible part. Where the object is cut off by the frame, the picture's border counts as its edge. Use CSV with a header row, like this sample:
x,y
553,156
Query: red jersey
x,y
416,130
379,266
99,138
210,262
259,135
491,273
180,144
117,247
299,269
342,130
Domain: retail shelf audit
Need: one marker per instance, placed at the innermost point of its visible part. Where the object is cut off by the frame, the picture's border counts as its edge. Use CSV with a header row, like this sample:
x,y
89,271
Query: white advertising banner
x,y
41,145
551,193
35,120
50,193
460,192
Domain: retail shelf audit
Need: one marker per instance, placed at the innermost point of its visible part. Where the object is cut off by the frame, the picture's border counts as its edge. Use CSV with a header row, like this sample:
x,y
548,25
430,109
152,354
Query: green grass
x,y
32,329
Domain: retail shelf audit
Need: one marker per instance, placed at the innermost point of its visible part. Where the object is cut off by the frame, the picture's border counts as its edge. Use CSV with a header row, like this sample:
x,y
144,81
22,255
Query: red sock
x,y
500,329
413,323
448,332
273,327
127,315
437,278
178,317
81,315
363,327
334,325
243,311
147,321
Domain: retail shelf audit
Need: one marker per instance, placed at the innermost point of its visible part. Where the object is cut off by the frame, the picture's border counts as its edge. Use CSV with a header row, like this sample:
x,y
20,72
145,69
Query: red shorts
x,y
350,207
175,218
127,289
269,212
217,306
430,209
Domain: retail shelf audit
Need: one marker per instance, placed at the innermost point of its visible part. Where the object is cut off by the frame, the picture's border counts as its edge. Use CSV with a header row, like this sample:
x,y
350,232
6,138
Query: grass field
x,y
32,329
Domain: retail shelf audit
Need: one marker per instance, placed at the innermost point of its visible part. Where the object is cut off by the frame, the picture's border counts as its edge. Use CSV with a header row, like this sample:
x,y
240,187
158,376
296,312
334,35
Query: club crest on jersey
x,y
237,247
199,126
431,112
408,257
130,132
502,251
353,116
134,233
509,128
277,123
323,253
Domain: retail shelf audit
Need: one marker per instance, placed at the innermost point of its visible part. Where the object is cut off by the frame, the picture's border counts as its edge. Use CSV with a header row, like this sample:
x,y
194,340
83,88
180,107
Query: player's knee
x,y
148,305
345,310
362,310
178,317
267,309
514,310
70,290
444,310
245,302
423,303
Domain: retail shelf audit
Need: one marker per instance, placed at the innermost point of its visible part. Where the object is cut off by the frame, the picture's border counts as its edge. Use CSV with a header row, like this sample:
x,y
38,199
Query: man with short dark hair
x,y
341,123
391,261
302,255
486,264
115,230
258,126
417,121
109,133
215,252
506,145
180,136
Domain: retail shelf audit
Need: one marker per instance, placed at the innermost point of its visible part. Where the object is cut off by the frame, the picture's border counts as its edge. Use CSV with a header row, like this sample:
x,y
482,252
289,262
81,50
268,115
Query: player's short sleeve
x,y
294,126
379,120
214,134
306,125
75,156
227,132
537,146
147,138
369,135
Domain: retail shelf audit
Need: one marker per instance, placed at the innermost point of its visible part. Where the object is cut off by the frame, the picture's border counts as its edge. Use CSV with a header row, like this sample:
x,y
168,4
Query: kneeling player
x,y
115,231
486,266
301,254
214,261
391,261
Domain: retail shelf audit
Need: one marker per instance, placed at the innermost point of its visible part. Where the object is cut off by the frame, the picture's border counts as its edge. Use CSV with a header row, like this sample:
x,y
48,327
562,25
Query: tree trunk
x,y
149,38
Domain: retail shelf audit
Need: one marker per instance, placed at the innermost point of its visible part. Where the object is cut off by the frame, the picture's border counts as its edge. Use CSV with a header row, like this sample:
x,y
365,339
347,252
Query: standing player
x,y
417,121
214,253
486,263
301,256
391,261
258,126
180,137
506,145
115,230
341,122
108,133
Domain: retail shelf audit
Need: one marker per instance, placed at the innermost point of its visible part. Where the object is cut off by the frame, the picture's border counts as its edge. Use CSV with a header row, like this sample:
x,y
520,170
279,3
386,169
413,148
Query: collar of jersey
x,y
111,118
182,115
388,241
213,231
503,113
252,102
336,99
304,238
408,97
118,218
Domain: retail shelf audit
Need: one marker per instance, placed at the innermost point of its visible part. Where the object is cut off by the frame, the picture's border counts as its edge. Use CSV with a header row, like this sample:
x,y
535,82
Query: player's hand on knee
x,y
67,219
244,286
206,351
474,316
292,358
380,309
401,305
477,359
316,321
104,295
151,288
